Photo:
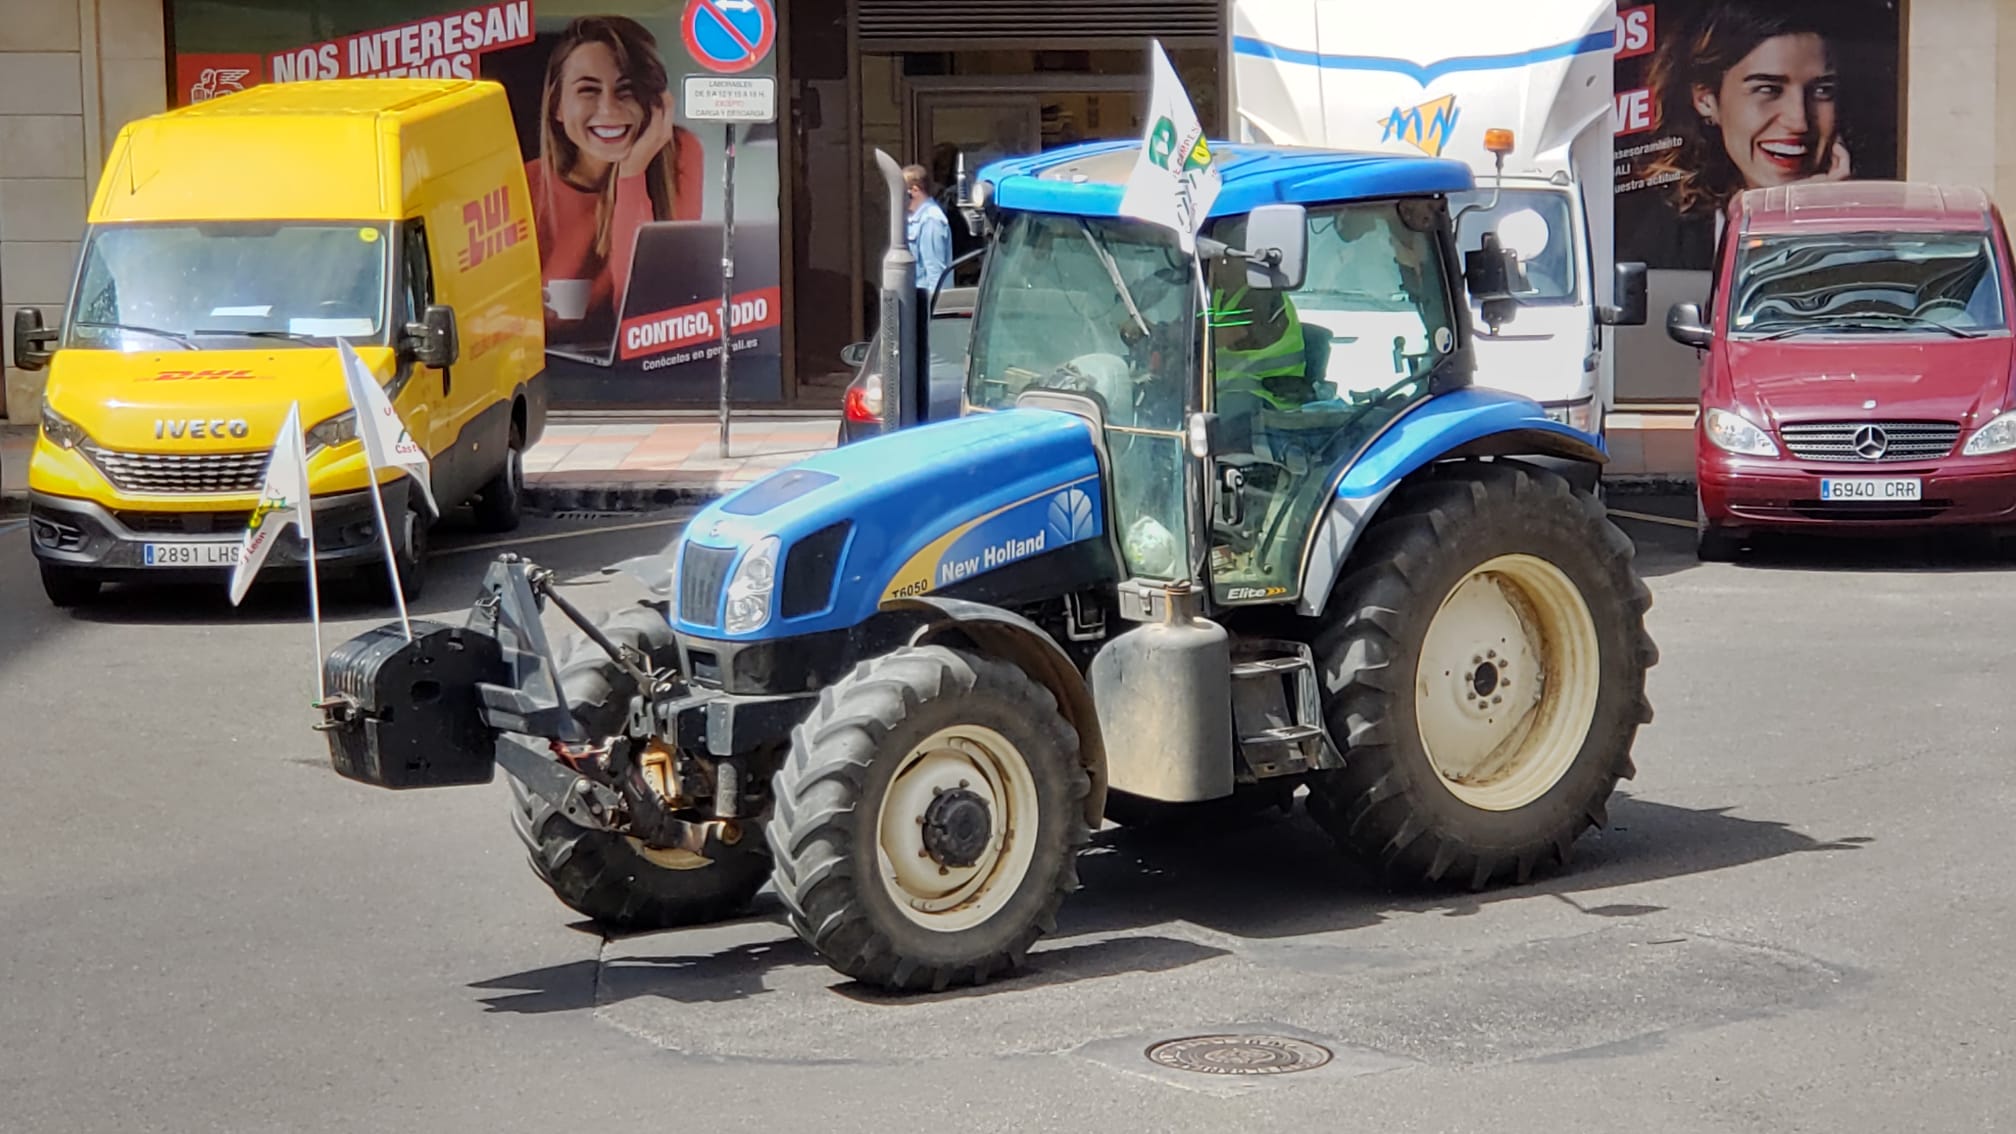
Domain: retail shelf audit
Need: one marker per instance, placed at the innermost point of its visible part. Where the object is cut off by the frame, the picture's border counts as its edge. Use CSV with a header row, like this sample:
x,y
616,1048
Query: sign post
x,y
730,101
729,37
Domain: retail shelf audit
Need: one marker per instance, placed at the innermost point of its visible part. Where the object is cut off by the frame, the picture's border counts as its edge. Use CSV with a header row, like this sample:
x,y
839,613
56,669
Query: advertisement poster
x,y
627,188
1718,96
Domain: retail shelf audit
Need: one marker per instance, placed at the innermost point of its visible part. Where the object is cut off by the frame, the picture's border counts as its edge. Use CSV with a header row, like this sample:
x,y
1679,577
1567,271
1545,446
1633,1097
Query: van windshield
x,y
202,286
1538,224
1867,283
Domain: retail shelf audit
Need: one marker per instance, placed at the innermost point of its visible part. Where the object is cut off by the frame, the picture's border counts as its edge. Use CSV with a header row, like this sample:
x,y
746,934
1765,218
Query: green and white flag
x,y
283,503
1176,179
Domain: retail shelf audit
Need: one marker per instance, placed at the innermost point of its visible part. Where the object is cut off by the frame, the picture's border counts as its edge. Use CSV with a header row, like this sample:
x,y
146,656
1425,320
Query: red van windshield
x,y
1867,283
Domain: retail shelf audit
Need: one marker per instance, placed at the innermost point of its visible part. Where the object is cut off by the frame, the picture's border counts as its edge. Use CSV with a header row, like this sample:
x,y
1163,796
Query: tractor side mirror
x,y
434,340
34,343
1686,325
1631,302
853,355
1278,237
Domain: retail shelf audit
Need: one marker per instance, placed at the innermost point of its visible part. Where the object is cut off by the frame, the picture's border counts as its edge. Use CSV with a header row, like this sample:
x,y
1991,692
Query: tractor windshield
x,y
1107,308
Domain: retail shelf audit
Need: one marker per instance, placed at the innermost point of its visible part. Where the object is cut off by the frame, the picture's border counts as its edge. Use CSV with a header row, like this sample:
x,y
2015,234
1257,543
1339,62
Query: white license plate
x,y
190,554
1880,489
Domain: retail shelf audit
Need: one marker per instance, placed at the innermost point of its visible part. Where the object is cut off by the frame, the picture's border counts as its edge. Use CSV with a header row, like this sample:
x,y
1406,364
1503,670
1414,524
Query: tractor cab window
x,y
1106,308
1303,379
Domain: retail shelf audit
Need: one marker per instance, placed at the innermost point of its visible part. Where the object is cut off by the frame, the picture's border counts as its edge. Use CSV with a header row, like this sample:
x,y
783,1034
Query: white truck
x,y
1520,92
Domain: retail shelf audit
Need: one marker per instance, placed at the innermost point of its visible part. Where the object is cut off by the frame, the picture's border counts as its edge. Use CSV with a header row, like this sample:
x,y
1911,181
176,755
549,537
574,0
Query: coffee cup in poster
x,y
627,201
1718,96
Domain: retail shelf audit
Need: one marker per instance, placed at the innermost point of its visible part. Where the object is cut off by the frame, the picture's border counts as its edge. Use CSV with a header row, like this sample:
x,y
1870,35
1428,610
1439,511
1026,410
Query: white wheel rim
x,y
950,898
1506,689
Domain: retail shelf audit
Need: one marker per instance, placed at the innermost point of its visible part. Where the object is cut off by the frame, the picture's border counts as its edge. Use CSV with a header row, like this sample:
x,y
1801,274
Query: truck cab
x,y
389,214
1522,95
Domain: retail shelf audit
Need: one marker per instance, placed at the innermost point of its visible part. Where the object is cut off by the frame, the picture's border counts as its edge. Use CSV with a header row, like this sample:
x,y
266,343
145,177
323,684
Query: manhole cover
x,y
1239,1055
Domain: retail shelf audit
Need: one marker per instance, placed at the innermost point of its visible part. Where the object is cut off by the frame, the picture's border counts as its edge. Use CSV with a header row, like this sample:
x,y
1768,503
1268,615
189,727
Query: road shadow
x,y
1264,877
454,580
1273,877
1932,553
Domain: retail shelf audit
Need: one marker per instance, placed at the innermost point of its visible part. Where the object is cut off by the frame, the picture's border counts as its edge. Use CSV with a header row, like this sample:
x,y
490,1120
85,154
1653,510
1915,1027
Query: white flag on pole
x,y
283,502
1176,179
387,444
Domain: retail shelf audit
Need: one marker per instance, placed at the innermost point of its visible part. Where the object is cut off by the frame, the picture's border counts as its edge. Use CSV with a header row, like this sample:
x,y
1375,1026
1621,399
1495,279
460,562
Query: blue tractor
x,y
1211,528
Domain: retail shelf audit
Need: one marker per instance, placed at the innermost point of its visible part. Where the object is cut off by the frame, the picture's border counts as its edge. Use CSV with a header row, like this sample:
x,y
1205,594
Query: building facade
x,y
928,82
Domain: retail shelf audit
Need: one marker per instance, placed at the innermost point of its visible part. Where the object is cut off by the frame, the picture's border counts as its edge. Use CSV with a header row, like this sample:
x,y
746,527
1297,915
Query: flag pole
x,y
391,556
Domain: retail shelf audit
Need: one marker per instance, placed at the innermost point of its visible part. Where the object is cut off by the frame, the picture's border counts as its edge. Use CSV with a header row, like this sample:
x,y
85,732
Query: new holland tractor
x,y
1211,528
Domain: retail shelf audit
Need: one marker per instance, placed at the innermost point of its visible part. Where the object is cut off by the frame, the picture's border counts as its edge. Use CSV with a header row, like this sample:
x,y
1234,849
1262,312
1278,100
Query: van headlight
x,y
1731,432
749,590
1998,436
1580,416
61,431
338,430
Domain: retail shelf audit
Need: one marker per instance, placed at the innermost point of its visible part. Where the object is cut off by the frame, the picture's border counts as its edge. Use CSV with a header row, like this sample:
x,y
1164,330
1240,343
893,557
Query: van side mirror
x,y
434,340
1277,236
1631,302
34,343
1488,273
1686,325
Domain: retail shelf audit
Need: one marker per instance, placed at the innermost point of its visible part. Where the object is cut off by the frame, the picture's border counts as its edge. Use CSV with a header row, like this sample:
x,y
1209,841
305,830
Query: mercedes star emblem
x,y
1871,442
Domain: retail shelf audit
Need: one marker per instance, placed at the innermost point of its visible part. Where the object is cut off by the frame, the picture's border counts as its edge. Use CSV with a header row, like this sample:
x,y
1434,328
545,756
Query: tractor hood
x,y
902,514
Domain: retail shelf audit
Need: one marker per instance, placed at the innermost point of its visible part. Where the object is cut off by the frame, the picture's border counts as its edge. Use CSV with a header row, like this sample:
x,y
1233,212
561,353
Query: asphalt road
x,y
1798,920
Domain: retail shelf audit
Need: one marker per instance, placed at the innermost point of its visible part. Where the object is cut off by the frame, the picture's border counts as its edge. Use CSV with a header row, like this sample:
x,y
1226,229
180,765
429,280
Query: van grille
x,y
1847,441
181,474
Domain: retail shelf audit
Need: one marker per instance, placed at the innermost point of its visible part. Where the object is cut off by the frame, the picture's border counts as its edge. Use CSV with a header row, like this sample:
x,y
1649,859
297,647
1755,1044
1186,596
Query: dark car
x,y
951,327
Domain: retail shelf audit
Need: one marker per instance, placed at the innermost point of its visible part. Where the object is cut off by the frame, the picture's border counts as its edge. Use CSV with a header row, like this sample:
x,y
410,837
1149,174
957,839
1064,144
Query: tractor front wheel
x,y
927,822
1485,668
617,881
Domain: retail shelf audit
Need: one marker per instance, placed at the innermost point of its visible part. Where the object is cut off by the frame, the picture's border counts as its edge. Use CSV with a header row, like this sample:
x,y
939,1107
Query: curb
x,y
547,499
1648,484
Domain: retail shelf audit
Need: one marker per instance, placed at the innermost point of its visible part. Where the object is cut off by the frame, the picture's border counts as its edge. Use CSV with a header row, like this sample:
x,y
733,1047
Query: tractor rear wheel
x,y
615,880
1484,665
928,819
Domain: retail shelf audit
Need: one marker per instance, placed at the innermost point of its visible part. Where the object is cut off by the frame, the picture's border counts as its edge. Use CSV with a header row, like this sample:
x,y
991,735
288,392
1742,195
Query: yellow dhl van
x,y
231,244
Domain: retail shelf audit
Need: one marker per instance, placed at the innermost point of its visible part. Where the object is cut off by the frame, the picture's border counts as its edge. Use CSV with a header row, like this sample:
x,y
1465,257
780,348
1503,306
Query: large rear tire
x,y
1485,666
614,880
928,820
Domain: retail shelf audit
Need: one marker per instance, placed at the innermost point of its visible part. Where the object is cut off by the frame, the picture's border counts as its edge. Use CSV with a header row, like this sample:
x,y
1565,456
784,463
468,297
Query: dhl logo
x,y
491,228
1426,127
205,376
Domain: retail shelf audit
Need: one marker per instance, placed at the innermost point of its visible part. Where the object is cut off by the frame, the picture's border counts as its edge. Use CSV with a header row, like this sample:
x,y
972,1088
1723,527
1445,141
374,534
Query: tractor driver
x,y
1259,353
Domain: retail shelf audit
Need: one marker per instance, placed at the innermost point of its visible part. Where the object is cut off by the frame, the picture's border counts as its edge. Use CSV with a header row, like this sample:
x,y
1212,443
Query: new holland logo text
x,y
206,376
177,429
1426,127
996,555
491,228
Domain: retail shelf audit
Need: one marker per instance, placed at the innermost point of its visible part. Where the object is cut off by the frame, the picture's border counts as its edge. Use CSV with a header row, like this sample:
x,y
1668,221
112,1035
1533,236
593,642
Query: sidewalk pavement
x,y
598,467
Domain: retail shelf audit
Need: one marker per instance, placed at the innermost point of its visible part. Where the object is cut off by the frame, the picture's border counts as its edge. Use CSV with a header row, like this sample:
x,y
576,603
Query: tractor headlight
x,y
61,431
1731,432
750,588
338,430
1998,436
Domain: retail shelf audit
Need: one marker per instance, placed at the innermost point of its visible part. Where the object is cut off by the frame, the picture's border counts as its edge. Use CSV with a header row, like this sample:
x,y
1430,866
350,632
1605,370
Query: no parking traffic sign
x,y
729,35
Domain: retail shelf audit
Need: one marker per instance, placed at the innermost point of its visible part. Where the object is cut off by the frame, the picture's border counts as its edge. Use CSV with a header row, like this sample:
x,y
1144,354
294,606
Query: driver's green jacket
x,y
1256,370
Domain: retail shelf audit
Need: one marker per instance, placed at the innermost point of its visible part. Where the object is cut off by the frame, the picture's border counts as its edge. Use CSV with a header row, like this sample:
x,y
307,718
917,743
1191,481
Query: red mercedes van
x,y
1856,364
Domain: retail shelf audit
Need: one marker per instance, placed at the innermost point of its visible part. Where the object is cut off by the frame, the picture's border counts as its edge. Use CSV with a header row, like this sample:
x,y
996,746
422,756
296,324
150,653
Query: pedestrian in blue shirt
x,y
929,233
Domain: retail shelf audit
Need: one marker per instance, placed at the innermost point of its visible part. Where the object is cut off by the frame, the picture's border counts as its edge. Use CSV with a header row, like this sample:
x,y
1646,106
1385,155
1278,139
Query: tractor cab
x,y
1233,388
